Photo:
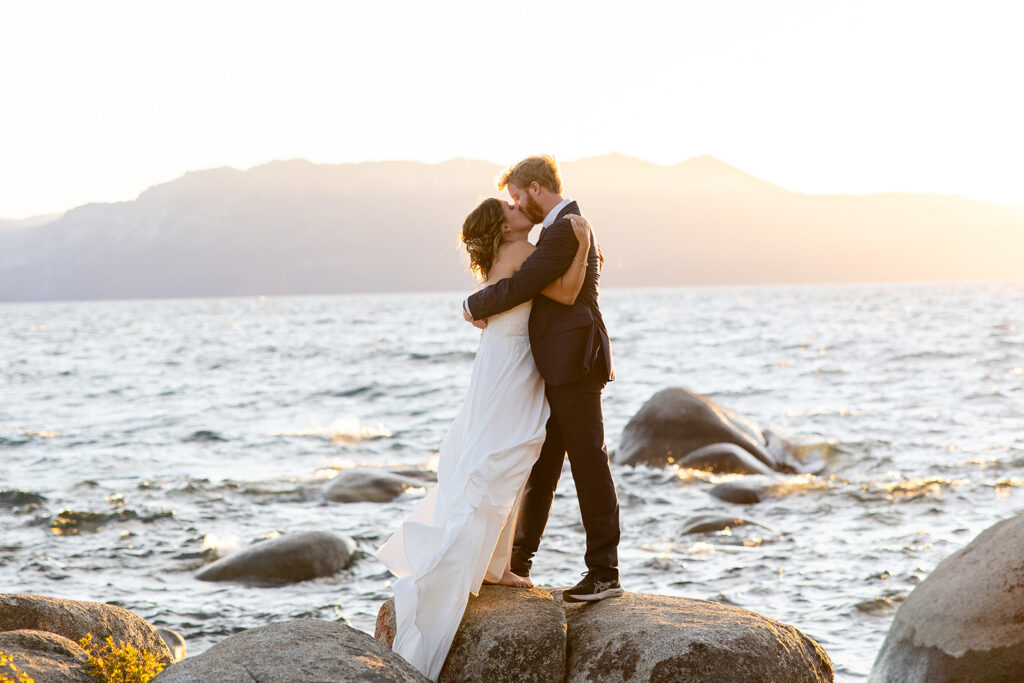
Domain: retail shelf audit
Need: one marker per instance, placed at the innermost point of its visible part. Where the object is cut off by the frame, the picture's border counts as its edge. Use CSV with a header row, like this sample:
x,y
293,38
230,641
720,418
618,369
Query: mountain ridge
x,y
293,226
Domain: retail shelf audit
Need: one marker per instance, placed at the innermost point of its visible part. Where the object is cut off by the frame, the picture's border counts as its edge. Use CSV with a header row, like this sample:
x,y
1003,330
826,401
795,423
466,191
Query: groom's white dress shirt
x,y
548,220
553,213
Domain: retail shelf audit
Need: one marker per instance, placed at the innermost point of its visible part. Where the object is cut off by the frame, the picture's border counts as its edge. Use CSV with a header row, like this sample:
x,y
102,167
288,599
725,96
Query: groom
x,y
573,354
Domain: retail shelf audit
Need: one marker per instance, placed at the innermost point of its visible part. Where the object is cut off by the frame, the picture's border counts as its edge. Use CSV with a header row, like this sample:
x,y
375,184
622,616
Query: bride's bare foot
x,y
510,579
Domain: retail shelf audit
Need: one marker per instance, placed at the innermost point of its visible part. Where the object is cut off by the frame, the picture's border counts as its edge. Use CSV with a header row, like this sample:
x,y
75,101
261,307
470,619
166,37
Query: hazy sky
x,y
100,100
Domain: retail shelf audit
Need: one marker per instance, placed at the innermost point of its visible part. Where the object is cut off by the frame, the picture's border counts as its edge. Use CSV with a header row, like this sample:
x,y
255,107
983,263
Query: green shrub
x,y
111,663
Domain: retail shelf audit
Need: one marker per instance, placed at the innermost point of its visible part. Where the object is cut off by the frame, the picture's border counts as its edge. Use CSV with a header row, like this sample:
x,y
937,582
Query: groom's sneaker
x,y
596,585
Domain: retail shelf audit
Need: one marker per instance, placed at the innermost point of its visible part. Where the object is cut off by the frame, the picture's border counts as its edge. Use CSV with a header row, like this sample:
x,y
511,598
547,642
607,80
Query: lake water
x,y
193,427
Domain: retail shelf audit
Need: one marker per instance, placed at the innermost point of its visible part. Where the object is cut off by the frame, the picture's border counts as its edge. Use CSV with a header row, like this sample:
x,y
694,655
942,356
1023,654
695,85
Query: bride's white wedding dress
x,y
461,532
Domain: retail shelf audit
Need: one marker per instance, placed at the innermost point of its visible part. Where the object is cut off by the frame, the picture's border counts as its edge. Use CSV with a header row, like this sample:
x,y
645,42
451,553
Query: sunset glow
x,y
839,97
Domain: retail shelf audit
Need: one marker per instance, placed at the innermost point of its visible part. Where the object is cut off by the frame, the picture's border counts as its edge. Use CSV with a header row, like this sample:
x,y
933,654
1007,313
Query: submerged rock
x,y
204,435
15,498
45,657
640,637
737,492
299,651
74,522
730,530
506,634
286,559
73,619
374,484
724,458
705,524
677,423
965,621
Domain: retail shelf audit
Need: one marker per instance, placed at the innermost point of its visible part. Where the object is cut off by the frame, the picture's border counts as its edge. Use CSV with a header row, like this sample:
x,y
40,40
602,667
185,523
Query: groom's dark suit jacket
x,y
567,341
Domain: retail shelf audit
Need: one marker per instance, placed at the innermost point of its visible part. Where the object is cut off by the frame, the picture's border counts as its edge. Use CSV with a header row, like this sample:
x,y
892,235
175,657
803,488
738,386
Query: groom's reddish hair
x,y
542,169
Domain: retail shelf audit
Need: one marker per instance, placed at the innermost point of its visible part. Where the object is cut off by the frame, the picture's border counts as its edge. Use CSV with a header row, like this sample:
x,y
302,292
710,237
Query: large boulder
x,y
965,622
299,651
73,619
506,634
374,484
286,559
639,637
678,426
45,657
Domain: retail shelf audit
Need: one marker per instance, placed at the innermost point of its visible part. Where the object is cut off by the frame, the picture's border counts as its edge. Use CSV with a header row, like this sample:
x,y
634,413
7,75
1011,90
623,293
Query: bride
x,y
460,535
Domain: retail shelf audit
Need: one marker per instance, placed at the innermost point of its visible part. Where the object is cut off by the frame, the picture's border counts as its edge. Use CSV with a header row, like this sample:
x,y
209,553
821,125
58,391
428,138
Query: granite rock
x,y
506,634
299,651
965,621
640,637
46,657
73,619
285,559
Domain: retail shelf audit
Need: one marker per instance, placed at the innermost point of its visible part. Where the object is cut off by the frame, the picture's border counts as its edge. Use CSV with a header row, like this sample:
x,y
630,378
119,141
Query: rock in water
x,y
300,651
14,498
736,492
724,458
372,484
73,619
676,422
45,657
640,637
286,559
965,622
206,435
506,634
703,524
175,641
729,530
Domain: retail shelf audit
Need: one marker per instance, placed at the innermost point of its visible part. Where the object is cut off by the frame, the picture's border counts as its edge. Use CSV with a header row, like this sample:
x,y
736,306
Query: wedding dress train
x,y
461,532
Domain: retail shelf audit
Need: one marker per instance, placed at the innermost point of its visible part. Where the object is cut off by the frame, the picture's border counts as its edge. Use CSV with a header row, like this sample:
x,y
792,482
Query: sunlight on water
x,y
919,486
798,484
342,431
222,546
686,474
701,548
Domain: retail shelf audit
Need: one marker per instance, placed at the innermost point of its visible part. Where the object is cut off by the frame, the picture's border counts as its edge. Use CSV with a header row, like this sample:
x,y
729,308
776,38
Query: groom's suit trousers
x,y
576,428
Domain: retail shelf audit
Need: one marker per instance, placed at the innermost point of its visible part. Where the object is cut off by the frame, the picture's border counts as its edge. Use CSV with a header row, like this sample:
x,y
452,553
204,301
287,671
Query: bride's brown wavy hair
x,y
481,233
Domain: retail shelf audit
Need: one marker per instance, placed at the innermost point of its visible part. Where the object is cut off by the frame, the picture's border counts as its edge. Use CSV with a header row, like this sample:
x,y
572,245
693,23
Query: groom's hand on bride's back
x,y
476,323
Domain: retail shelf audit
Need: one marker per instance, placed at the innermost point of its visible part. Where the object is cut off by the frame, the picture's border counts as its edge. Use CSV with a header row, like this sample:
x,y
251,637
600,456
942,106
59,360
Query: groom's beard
x,y
532,209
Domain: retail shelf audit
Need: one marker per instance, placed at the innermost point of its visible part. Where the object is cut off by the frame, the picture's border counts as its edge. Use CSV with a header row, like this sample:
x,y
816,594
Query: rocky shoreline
x,y
519,634
962,623
507,634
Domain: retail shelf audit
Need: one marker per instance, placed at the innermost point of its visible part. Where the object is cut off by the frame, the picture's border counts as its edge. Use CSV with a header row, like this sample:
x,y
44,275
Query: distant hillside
x,y
28,222
291,227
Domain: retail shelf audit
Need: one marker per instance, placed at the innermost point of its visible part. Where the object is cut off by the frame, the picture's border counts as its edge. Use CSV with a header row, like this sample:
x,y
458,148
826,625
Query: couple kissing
x,y
534,397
